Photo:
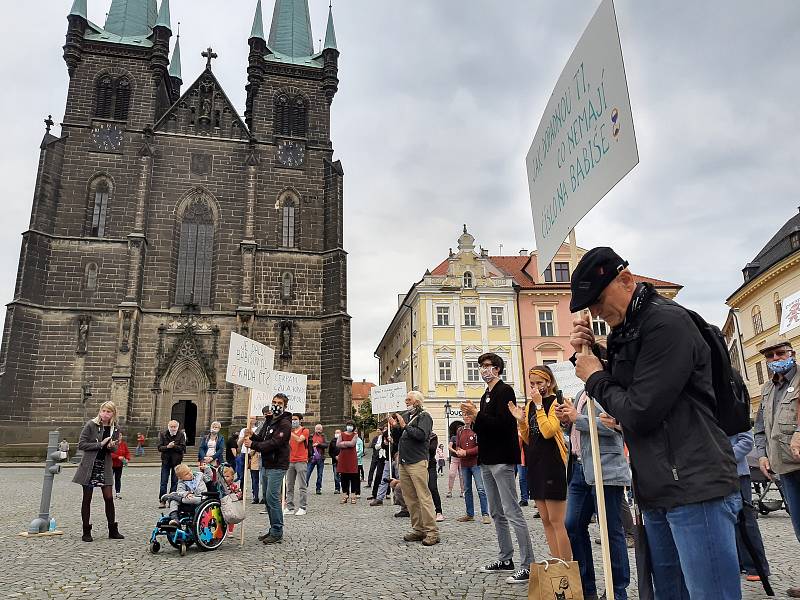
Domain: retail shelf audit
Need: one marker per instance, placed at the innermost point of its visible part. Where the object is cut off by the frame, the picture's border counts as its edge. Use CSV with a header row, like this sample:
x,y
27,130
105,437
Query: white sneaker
x,y
300,512
287,511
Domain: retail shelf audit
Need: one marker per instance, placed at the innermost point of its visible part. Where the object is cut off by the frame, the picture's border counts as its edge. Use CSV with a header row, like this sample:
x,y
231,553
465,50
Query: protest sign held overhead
x,y
293,385
585,142
388,398
250,363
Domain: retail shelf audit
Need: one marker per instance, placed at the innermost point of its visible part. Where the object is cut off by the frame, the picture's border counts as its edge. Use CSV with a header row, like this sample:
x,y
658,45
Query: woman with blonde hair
x,y
99,439
546,457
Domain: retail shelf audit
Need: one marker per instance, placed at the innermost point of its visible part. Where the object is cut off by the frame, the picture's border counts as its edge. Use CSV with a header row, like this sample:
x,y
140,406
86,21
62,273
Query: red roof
x,y
513,267
361,389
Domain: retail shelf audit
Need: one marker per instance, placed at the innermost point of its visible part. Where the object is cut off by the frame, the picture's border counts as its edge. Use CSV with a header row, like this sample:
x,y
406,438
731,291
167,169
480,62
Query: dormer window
x,y
794,240
468,280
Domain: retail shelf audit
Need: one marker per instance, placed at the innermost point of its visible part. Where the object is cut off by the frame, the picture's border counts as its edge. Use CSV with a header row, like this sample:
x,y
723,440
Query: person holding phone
x,y
545,457
98,440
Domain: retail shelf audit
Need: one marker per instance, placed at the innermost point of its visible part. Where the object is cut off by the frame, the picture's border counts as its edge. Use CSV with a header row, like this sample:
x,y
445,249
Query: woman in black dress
x,y
98,440
546,457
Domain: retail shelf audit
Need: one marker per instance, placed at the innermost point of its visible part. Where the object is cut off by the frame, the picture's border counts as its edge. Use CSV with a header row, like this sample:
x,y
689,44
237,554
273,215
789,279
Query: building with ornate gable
x,y
162,221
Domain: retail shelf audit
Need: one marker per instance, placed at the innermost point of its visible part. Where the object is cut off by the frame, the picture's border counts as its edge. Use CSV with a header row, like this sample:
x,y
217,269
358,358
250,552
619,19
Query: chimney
x,y
523,252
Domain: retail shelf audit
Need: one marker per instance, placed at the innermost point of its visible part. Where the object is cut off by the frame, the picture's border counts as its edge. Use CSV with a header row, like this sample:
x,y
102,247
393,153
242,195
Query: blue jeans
x,y
523,482
167,475
693,549
337,480
581,505
320,467
791,493
467,474
273,501
262,480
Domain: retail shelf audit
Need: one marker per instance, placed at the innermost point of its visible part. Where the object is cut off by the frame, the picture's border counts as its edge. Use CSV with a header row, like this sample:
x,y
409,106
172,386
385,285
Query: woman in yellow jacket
x,y
546,457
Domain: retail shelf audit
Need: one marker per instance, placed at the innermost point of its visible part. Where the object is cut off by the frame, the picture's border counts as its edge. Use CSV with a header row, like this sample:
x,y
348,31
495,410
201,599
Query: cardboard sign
x,y
790,313
388,398
294,385
566,379
585,142
250,363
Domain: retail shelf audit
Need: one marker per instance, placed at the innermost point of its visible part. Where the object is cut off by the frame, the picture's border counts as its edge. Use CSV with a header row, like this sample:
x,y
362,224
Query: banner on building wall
x,y
585,143
250,363
293,385
790,313
388,398
568,382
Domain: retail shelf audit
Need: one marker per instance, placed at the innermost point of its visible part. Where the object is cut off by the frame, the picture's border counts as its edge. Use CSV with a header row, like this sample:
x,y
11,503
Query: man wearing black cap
x,y
777,430
655,378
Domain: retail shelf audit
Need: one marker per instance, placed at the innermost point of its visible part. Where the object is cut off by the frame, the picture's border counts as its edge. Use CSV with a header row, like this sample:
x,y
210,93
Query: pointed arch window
x,y
91,277
288,224
758,326
113,98
291,115
195,255
101,197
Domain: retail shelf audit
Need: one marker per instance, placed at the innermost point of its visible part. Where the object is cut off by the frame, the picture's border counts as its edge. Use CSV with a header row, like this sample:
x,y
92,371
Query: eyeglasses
x,y
486,367
776,353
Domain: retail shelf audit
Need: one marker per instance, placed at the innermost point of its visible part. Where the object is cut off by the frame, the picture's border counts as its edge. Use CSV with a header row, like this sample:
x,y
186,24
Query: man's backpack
x,y
733,403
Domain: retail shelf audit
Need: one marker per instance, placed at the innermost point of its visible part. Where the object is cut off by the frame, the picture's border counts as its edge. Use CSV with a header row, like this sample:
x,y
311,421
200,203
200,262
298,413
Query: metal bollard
x,y
51,469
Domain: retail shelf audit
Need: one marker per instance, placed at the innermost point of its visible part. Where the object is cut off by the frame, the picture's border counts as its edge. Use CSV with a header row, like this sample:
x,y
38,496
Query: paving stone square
x,y
334,552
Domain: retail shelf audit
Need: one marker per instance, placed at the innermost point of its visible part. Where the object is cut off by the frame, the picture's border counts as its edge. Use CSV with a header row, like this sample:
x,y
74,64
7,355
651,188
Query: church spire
x,y
290,33
163,19
128,18
258,24
330,33
175,63
79,9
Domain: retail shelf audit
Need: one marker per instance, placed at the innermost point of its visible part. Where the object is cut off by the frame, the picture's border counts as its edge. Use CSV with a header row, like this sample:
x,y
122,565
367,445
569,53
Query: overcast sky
x,y
436,109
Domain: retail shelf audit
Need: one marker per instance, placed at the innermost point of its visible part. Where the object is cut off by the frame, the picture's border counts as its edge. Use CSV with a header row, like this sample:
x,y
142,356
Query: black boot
x,y
113,532
87,534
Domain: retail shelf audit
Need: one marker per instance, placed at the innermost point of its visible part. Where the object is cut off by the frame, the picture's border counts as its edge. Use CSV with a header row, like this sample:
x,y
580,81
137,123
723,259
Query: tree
x,y
364,419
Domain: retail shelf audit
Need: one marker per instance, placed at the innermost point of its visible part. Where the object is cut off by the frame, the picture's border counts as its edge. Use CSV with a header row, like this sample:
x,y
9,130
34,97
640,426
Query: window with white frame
x,y
443,316
445,369
506,374
496,313
473,371
468,280
470,316
546,327
599,327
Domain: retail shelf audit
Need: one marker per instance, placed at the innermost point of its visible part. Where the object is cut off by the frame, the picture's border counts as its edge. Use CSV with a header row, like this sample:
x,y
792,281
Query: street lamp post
x,y
86,394
447,416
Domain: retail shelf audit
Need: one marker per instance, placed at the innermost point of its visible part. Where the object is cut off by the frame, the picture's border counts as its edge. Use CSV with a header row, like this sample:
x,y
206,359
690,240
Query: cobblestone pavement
x,y
333,552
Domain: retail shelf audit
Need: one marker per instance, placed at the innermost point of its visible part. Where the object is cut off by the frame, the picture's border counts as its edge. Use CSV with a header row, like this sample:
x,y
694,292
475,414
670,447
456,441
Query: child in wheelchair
x,y
190,490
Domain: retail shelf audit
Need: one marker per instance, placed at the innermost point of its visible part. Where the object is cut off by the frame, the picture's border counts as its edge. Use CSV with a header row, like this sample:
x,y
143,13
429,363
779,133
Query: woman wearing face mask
x,y
546,457
347,465
98,440
211,447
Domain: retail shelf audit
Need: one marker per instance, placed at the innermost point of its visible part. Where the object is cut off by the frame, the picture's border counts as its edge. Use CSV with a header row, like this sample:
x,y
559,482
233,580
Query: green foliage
x,y
364,419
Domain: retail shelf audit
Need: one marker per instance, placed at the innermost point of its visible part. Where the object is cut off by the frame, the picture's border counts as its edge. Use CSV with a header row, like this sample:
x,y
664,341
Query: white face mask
x,y
215,430
172,431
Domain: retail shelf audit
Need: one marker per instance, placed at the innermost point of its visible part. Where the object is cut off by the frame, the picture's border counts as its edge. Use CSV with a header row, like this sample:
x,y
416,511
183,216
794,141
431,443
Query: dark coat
x,y
273,441
89,442
497,428
657,384
220,448
172,456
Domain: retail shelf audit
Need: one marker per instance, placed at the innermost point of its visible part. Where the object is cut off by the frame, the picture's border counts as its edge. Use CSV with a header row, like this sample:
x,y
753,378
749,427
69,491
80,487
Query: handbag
x,y
233,509
555,579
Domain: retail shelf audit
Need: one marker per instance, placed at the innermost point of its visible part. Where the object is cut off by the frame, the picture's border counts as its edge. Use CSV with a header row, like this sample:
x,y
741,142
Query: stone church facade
x,y
162,221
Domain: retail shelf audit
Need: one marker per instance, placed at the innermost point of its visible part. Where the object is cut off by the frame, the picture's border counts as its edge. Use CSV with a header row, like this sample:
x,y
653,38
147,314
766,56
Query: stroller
x,y
201,524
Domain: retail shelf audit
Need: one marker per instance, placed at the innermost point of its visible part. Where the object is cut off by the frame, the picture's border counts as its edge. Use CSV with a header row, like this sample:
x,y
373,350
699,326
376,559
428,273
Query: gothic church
x,y
162,221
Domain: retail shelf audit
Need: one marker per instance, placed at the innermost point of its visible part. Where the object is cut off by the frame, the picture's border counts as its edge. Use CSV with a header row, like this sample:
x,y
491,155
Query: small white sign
x,y
388,398
294,385
250,363
567,381
790,313
585,142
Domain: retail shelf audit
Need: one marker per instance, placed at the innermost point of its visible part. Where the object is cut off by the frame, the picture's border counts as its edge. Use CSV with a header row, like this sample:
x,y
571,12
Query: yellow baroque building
x,y
464,307
755,308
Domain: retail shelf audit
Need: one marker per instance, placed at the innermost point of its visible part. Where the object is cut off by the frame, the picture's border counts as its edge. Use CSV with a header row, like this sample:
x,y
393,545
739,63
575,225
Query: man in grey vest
x,y
777,430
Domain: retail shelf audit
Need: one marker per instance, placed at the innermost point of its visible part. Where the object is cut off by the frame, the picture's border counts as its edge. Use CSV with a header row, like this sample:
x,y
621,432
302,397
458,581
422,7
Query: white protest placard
x,y
294,385
250,363
567,381
585,142
388,398
790,313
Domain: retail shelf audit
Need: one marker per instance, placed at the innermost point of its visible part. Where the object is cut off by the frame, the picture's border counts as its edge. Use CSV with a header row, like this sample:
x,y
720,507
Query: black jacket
x,y
497,428
172,456
657,384
273,441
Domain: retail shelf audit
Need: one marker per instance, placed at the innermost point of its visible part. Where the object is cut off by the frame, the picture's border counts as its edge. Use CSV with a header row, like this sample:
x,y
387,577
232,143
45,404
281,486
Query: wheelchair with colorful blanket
x,y
200,524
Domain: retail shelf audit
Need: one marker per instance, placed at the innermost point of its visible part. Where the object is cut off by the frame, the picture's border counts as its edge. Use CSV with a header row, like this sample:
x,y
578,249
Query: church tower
x,y
162,221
